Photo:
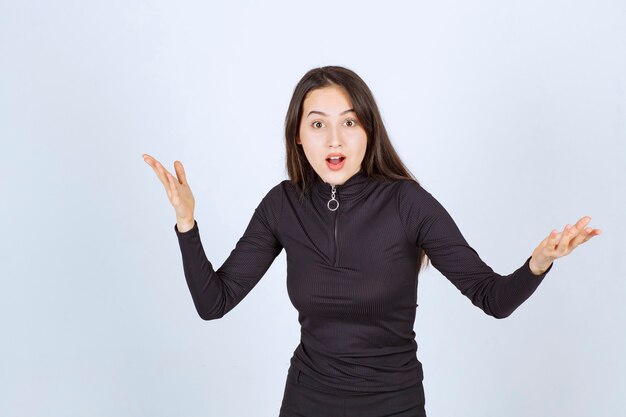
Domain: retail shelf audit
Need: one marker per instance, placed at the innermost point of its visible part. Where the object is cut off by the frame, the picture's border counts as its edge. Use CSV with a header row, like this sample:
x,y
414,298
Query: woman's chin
x,y
339,176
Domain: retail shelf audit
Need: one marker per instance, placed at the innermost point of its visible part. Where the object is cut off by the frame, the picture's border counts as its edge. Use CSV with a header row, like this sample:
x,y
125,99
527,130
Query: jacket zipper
x,y
334,207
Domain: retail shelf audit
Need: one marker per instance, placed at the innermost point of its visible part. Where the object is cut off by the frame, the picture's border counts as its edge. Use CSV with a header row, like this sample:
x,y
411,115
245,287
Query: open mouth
x,y
335,162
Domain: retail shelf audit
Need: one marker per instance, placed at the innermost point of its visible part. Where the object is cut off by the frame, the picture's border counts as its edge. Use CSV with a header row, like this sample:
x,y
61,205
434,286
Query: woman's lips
x,y
337,166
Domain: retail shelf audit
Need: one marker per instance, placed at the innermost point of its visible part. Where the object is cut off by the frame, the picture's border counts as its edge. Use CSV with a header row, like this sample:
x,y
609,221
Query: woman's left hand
x,y
556,244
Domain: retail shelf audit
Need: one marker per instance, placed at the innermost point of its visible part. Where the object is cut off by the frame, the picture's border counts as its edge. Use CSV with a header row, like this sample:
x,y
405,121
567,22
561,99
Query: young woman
x,y
357,228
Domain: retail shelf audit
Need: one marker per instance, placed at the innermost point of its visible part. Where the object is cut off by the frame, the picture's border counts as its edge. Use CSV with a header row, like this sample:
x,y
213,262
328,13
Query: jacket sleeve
x,y
430,227
215,293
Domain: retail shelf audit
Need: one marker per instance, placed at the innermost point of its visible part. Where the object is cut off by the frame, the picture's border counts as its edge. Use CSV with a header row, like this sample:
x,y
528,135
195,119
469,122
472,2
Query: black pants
x,y
304,397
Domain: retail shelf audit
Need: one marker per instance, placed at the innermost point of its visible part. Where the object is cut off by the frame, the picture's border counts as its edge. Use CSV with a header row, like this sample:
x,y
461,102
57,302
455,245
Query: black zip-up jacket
x,y
352,274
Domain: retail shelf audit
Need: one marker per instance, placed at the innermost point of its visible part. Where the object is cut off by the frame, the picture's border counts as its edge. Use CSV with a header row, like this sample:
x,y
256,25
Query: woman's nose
x,y
334,137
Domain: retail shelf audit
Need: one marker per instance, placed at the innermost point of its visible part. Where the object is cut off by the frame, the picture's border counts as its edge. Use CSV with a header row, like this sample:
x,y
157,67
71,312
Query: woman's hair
x,y
380,160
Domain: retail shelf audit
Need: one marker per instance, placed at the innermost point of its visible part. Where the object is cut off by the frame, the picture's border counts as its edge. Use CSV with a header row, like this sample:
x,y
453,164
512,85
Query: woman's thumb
x,y
180,172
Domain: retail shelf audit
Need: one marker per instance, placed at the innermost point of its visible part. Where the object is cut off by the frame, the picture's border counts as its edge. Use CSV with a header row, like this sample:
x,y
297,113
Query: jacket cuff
x,y
530,272
189,232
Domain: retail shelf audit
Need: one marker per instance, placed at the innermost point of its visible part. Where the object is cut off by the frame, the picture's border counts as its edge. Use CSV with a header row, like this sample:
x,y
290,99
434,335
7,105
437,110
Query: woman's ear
x,y
298,141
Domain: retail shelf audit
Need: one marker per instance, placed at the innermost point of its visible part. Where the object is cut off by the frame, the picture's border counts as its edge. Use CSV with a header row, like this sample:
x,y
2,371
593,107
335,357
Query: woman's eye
x,y
318,124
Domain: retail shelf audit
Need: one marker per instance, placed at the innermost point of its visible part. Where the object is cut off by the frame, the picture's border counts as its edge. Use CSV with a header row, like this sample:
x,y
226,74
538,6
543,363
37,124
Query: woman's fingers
x,y
563,246
553,239
171,182
572,236
571,232
177,189
155,167
588,233
163,175
583,236
180,172
578,235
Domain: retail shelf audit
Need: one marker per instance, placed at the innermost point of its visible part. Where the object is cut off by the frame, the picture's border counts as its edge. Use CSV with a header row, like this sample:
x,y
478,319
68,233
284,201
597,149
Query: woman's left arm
x,y
429,226
556,245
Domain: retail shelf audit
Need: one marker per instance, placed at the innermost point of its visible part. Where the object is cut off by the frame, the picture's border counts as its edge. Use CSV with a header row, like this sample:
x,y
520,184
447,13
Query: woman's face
x,y
330,127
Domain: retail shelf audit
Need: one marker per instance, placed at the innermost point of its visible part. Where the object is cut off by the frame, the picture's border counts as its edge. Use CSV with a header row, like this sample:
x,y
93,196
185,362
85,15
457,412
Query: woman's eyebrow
x,y
324,114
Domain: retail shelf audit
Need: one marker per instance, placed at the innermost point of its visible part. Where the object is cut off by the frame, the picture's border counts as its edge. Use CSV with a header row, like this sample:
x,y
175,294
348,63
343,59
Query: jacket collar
x,y
351,188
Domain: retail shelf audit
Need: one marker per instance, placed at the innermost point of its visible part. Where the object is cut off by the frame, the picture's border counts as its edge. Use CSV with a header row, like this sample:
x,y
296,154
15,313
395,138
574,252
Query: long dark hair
x,y
380,160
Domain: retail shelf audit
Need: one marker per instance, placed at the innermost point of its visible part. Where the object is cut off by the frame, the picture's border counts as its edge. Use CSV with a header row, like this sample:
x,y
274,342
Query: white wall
x,y
519,104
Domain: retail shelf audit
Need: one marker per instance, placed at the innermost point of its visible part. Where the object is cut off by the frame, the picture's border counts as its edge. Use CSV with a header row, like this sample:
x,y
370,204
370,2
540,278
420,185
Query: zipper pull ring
x,y
332,198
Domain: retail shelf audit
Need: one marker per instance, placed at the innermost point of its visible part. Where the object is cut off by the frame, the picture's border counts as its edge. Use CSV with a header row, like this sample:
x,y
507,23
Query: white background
x,y
512,114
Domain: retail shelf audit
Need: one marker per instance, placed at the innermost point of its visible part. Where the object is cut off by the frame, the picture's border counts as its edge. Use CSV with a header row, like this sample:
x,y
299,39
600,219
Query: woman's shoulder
x,y
404,185
274,194
411,192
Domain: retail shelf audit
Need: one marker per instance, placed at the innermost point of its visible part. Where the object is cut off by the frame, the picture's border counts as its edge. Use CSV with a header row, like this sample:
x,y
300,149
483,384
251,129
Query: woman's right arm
x,y
216,292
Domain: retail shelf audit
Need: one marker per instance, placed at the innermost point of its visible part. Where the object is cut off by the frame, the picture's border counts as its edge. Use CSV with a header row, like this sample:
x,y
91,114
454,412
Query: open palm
x,y
177,189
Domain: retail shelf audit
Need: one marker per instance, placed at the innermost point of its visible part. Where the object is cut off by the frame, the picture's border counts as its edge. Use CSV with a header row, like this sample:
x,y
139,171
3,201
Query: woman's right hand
x,y
177,190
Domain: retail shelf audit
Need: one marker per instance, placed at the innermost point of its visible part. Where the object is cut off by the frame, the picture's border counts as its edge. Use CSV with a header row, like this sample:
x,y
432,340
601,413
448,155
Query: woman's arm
x,y
215,293
431,227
